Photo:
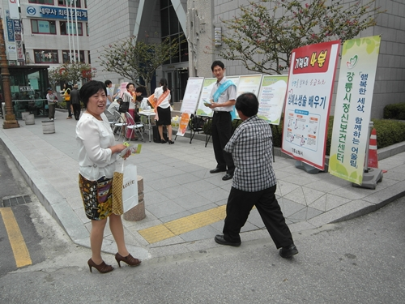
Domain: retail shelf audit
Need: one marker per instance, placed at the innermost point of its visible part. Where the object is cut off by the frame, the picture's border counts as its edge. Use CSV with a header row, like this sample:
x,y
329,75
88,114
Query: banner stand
x,y
371,176
310,169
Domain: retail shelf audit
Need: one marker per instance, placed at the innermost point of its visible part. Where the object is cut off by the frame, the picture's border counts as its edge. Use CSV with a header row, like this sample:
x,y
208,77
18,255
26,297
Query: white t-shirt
x,y
127,97
166,102
94,138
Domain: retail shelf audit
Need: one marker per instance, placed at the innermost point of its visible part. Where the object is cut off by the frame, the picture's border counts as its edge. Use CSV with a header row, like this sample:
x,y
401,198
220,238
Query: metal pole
x,y
77,33
68,33
9,117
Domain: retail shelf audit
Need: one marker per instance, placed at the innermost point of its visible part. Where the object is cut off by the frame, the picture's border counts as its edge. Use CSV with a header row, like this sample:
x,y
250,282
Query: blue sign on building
x,y
51,12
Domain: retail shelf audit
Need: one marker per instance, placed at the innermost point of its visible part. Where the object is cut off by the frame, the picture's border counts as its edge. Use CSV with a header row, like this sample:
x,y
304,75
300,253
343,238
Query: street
x,y
358,261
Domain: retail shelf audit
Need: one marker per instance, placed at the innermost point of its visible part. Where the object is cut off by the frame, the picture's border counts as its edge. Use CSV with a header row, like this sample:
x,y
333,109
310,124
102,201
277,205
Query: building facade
x,y
200,21
46,32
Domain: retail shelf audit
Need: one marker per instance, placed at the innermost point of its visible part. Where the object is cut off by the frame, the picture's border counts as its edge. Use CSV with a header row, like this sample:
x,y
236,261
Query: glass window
x,y
70,28
87,29
170,27
46,56
88,53
41,1
174,22
63,3
66,53
164,17
43,27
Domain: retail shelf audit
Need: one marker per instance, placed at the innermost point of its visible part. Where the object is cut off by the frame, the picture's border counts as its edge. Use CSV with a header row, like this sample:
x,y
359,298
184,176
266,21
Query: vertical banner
x,y
309,95
184,120
13,7
353,108
271,98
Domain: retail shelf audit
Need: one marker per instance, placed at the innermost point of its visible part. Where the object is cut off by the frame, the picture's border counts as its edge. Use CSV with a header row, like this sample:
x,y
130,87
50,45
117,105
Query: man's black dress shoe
x,y
289,251
227,176
219,238
217,170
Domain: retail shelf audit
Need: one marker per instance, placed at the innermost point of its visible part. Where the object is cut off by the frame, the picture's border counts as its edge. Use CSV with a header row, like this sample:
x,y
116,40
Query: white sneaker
x,y
51,118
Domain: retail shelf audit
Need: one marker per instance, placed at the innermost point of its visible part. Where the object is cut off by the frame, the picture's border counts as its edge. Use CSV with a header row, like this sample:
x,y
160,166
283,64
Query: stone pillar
x,y
138,212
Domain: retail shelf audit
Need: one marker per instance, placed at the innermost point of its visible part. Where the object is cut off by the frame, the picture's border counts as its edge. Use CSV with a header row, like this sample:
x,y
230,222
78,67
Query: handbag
x,y
124,187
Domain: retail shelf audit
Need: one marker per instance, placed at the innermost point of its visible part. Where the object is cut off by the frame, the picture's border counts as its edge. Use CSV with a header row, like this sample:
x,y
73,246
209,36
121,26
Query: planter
x,y
48,126
30,119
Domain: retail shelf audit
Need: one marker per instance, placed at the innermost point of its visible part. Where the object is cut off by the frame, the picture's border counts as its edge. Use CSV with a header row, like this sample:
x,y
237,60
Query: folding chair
x,y
135,127
120,123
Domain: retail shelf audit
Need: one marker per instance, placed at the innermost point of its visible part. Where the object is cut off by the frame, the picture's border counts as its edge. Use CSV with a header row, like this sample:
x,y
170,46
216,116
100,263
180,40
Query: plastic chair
x,y
133,126
120,123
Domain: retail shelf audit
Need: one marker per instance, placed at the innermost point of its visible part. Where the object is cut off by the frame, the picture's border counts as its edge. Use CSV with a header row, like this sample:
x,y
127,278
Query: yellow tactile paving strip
x,y
185,224
20,250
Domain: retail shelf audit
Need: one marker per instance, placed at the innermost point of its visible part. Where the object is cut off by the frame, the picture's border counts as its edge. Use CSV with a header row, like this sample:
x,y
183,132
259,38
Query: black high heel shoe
x,y
102,268
171,142
162,141
129,259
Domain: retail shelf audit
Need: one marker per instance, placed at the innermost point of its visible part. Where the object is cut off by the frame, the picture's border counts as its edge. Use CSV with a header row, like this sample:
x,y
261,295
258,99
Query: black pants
x,y
238,208
76,110
51,113
68,106
221,133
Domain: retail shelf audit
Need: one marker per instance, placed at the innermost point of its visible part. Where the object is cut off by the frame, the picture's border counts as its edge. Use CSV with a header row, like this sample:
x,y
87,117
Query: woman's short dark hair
x,y
248,104
130,83
89,89
107,82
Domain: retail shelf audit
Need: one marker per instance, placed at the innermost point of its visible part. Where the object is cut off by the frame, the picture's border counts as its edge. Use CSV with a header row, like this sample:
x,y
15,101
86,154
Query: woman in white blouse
x,y
163,115
97,155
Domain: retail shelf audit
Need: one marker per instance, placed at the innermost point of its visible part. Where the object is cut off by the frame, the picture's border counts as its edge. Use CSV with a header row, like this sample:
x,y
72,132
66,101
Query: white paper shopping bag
x,y
130,187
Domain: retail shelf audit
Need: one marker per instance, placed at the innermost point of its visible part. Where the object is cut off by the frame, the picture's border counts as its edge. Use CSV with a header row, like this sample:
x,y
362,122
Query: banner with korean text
x,y
308,100
353,108
271,98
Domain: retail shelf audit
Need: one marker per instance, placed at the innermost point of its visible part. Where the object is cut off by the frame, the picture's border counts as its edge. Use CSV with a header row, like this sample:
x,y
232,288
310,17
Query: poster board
x,y
248,84
307,106
207,86
353,108
192,95
271,98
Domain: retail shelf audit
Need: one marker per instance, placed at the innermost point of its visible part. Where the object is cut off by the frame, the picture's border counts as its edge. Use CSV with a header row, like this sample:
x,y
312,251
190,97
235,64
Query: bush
x,y
395,111
389,132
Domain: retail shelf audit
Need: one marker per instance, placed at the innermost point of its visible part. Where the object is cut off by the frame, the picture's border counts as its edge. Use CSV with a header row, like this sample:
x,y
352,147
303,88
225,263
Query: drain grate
x,y
15,200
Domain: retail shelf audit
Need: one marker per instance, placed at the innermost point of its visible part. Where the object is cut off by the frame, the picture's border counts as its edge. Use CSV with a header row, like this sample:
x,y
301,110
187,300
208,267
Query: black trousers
x,y
68,104
76,110
221,133
238,208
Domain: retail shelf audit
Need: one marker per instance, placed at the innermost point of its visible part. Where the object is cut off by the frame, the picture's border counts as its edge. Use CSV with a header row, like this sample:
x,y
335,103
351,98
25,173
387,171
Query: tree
x,y
132,59
71,73
263,38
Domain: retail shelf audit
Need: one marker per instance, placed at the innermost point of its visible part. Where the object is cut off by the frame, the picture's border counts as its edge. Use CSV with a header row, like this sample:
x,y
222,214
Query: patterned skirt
x,y
97,197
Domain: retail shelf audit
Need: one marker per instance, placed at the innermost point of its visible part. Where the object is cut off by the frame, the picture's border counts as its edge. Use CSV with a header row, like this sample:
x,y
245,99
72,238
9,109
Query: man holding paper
x,y
222,101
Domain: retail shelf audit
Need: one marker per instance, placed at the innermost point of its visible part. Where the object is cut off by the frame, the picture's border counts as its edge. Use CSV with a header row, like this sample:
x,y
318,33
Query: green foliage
x,y
389,132
131,58
266,32
395,111
71,73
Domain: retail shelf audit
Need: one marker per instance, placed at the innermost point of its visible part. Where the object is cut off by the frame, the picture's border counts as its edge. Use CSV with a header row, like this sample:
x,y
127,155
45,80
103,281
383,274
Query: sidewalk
x,y
180,193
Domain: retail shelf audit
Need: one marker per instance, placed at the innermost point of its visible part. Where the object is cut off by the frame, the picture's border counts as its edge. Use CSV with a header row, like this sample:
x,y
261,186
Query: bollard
x,y
48,126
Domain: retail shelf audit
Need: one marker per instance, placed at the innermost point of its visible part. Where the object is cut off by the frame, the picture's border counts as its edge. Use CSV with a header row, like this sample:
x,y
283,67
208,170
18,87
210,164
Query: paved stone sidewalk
x,y
177,184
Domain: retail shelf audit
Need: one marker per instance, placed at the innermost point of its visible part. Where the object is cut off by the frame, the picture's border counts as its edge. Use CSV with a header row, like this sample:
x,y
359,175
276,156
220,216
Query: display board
x,y
353,108
207,86
309,95
271,98
192,95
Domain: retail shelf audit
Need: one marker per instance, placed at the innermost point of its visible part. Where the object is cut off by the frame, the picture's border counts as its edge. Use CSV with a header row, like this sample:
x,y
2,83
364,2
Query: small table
x,y
148,114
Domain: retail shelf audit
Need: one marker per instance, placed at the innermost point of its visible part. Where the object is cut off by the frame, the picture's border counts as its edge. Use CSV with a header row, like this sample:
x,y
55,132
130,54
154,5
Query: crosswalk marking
x,y
20,250
185,224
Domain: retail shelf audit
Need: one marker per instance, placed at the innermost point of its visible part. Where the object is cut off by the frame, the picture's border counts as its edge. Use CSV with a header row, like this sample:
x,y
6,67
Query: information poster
x,y
271,98
192,95
309,95
247,84
122,88
207,86
353,108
